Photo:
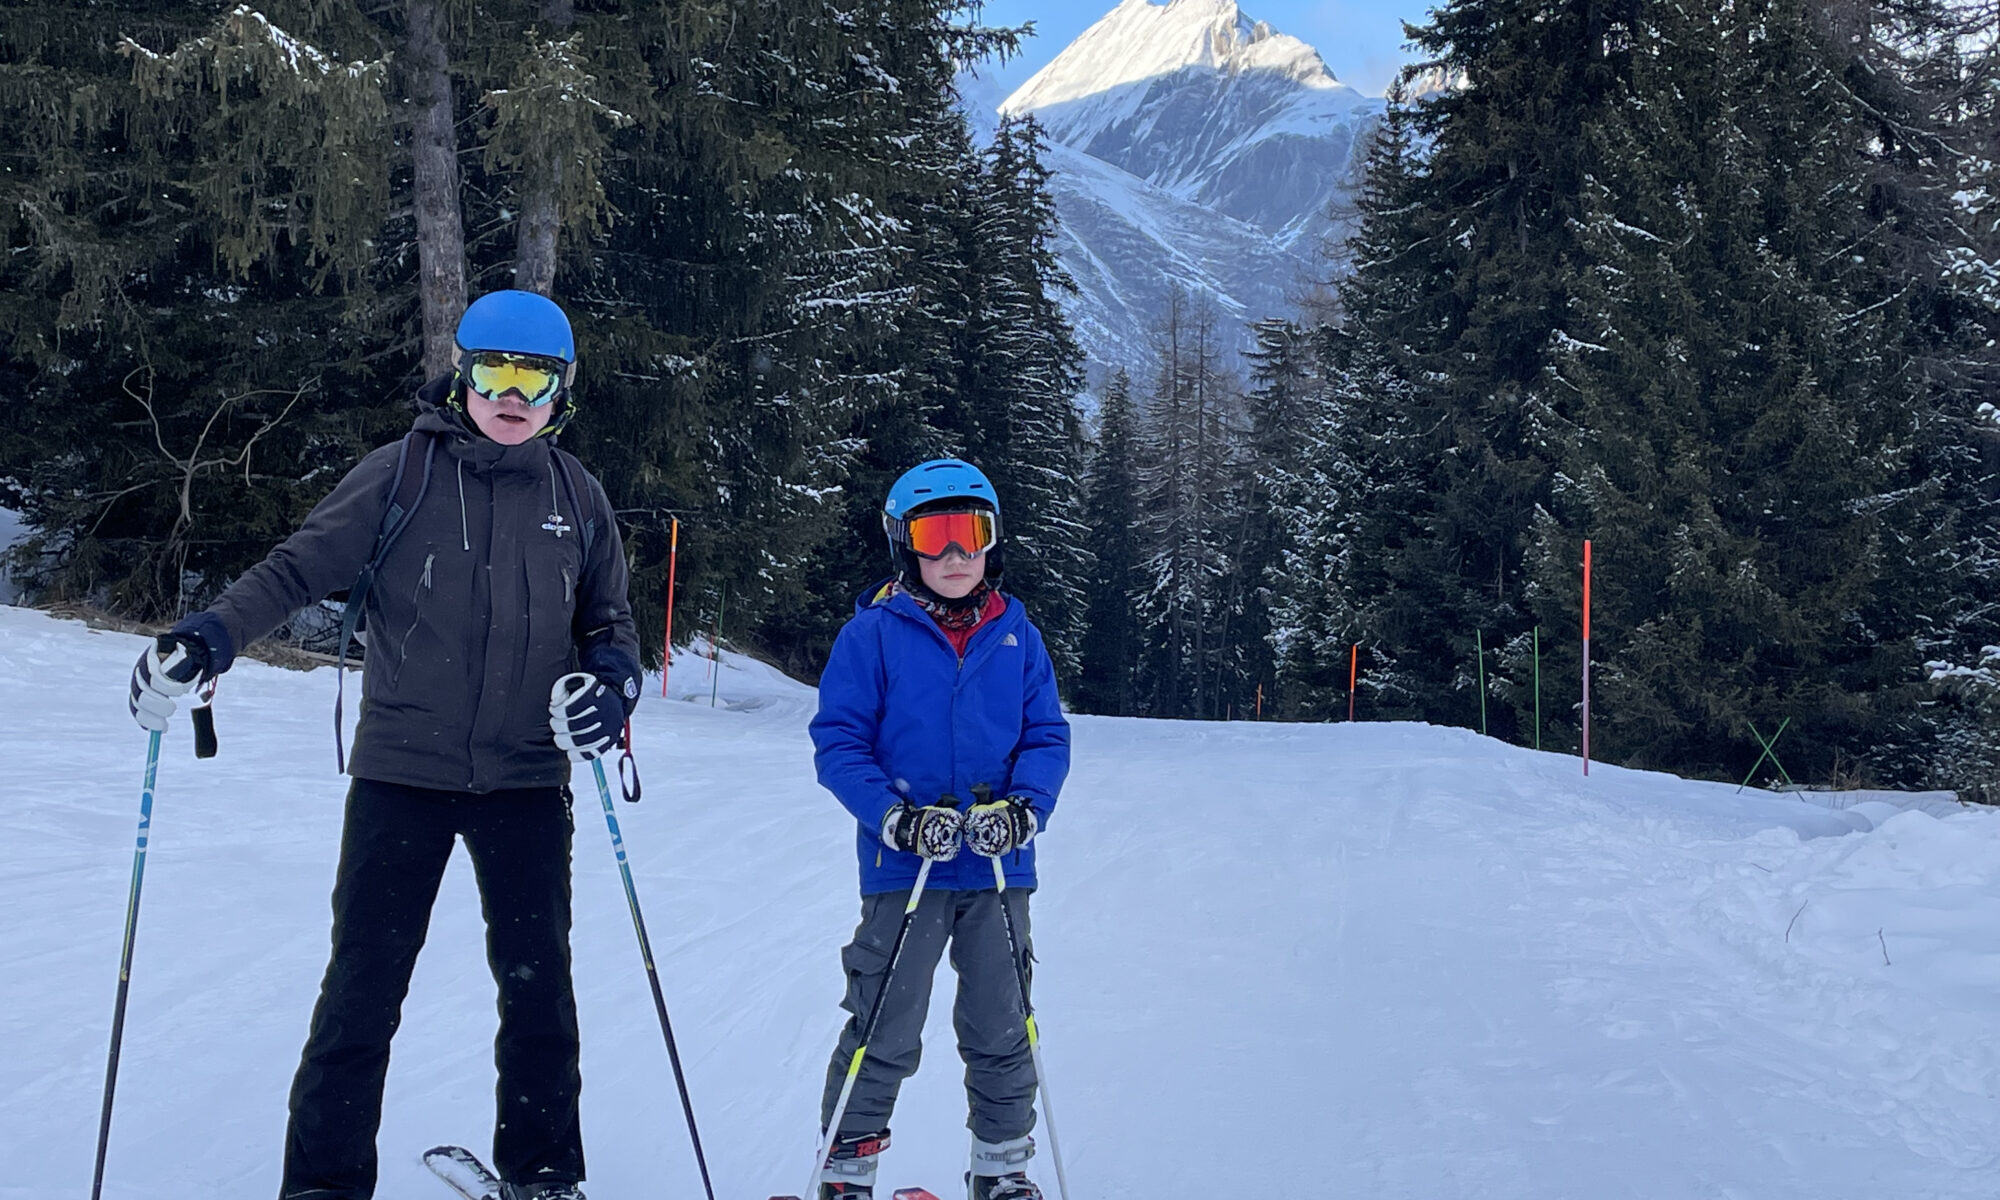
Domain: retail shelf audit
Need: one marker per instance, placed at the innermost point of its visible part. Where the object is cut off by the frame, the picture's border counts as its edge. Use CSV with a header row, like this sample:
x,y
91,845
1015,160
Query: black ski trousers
x,y
987,1015
393,850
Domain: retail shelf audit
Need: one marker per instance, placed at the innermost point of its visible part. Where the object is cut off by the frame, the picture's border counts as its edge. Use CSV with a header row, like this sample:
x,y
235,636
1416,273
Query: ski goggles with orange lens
x,y
972,533
538,380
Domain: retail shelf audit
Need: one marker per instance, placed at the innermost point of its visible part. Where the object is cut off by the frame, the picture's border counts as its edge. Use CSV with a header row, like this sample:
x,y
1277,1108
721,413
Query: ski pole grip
x,y
571,688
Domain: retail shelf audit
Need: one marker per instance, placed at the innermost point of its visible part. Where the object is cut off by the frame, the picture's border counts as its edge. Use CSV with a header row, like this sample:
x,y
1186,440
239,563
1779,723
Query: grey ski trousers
x,y
988,1016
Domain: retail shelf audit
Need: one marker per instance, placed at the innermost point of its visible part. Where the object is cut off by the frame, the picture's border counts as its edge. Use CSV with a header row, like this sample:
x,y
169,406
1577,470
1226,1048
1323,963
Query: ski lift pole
x,y
125,959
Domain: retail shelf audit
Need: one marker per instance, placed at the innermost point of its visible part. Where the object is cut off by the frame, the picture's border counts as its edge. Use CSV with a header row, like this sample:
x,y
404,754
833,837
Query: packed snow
x,y
1380,960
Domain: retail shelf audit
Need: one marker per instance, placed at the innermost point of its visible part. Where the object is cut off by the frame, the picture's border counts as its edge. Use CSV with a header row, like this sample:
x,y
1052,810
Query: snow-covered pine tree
x,y
1283,401
191,297
1188,442
1460,318
1021,372
1745,443
1109,657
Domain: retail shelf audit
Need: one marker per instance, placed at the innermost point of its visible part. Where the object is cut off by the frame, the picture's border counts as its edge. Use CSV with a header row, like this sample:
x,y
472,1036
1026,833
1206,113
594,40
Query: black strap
x,y
404,497
580,500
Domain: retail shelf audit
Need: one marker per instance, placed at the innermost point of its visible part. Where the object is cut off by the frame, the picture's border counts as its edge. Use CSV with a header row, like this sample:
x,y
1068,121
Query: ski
x,y
900,1194
462,1172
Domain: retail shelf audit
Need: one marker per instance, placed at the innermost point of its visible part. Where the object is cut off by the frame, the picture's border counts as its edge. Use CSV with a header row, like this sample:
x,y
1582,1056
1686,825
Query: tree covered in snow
x,y
241,237
1106,679
1701,284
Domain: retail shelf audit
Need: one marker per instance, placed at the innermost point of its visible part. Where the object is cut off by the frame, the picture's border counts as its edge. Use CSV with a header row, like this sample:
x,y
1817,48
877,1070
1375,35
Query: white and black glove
x,y
587,716
997,826
168,670
932,831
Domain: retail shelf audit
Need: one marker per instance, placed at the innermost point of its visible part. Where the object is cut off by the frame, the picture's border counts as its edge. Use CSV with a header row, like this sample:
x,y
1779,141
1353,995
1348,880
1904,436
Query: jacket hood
x,y
436,414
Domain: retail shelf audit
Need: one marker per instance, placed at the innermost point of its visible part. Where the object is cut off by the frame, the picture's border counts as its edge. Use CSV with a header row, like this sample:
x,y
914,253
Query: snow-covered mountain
x,y
1192,145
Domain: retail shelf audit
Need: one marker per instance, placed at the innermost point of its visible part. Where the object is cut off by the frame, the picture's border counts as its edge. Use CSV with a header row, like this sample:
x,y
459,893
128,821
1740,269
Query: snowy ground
x,y
1351,960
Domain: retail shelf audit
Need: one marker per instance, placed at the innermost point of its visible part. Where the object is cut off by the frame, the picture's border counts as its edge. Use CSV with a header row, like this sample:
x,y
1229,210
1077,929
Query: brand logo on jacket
x,y
555,524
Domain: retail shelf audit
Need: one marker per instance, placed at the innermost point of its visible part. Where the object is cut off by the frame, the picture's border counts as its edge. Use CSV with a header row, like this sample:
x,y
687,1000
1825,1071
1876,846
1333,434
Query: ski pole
x,y
652,975
832,1130
1034,1035
125,960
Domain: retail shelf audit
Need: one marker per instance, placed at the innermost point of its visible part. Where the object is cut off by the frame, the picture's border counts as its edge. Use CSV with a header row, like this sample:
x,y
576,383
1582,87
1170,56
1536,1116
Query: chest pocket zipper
x,y
569,589
416,614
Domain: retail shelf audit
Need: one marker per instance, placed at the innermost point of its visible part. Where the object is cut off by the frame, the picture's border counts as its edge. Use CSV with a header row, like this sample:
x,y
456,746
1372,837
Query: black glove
x,y
931,831
587,716
997,826
168,670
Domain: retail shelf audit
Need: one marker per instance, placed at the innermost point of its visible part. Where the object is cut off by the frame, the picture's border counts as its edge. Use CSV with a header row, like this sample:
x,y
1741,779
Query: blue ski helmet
x,y
514,322
941,482
517,322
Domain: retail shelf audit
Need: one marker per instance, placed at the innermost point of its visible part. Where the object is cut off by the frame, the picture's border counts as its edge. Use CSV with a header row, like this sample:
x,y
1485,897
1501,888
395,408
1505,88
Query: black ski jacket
x,y
484,600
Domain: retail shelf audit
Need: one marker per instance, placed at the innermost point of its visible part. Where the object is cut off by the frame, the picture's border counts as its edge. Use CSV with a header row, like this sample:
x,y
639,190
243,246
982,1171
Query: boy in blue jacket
x,y
940,693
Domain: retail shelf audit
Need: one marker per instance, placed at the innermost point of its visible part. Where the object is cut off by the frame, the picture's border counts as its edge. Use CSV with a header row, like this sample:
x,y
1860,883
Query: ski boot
x,y
996,1172
849,1173
540,1191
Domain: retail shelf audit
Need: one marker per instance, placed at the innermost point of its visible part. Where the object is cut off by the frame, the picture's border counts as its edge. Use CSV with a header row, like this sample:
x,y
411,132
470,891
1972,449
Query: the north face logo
x,y
1010,640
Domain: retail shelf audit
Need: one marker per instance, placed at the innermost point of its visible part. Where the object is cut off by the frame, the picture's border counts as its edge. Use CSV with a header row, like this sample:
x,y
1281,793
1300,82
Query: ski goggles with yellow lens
x,y
492,374
972,533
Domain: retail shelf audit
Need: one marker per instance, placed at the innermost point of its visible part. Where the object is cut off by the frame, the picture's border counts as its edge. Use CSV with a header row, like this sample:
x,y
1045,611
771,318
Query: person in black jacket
x,y
508,575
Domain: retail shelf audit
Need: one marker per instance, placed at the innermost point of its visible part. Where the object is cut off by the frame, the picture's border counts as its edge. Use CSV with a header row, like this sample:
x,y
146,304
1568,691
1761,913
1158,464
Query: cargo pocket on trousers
x,y
866,958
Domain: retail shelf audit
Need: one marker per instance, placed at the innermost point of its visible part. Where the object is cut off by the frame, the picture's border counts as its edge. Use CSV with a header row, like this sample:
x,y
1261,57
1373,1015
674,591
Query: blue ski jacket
x,y
901,717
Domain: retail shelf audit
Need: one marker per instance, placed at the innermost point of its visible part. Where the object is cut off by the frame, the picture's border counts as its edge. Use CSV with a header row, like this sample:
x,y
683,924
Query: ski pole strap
x,y
628,769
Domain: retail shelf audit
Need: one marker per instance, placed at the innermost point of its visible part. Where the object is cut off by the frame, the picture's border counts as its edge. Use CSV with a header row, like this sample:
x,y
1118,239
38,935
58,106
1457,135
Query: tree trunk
x,y
541,184
434,149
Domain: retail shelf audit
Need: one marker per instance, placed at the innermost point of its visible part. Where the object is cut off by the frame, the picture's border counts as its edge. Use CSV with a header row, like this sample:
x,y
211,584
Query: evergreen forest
x,y
1714,287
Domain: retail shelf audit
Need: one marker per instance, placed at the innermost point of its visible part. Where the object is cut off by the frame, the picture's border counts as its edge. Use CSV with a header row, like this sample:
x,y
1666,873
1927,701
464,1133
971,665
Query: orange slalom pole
x,y
1586,656
673,566
1353,673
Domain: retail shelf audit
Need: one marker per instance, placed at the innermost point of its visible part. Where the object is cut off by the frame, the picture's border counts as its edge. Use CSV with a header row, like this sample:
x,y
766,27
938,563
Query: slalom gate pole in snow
x,y
652,975
832,1129
1479,643
1586,656
1034,1034
667,642
125,959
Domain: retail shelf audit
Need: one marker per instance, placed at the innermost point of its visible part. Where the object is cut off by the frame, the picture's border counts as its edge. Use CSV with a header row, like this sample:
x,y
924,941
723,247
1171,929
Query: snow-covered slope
x,y
1236,129
1375,960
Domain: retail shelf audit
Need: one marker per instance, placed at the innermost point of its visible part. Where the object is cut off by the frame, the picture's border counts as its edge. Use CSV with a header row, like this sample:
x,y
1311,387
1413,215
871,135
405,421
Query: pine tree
x,y
1186,469
1022,372
1109,658
1282,402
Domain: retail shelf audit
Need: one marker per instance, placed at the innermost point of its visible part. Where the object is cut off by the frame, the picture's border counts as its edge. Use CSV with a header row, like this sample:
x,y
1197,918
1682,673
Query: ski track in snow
x,y
1378,960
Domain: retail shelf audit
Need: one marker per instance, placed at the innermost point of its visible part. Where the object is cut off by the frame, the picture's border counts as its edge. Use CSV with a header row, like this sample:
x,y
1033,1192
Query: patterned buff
x,y
954,615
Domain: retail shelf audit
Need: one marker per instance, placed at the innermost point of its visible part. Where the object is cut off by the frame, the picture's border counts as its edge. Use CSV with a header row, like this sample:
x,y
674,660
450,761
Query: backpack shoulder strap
x,y
404,496
581,501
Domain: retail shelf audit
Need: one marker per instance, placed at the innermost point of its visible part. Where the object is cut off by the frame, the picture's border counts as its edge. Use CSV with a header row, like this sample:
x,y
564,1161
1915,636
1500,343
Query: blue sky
x,y
1361,40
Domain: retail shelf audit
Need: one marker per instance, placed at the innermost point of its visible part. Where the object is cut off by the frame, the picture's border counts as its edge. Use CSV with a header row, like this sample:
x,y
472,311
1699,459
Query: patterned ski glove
x,y
168,670
998,826
932,831
587,717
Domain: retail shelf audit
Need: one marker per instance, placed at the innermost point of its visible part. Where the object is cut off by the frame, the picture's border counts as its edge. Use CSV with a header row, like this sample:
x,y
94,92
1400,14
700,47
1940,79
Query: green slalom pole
x,y
1479,642
1034,1033
652,974
832,1129
125,959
